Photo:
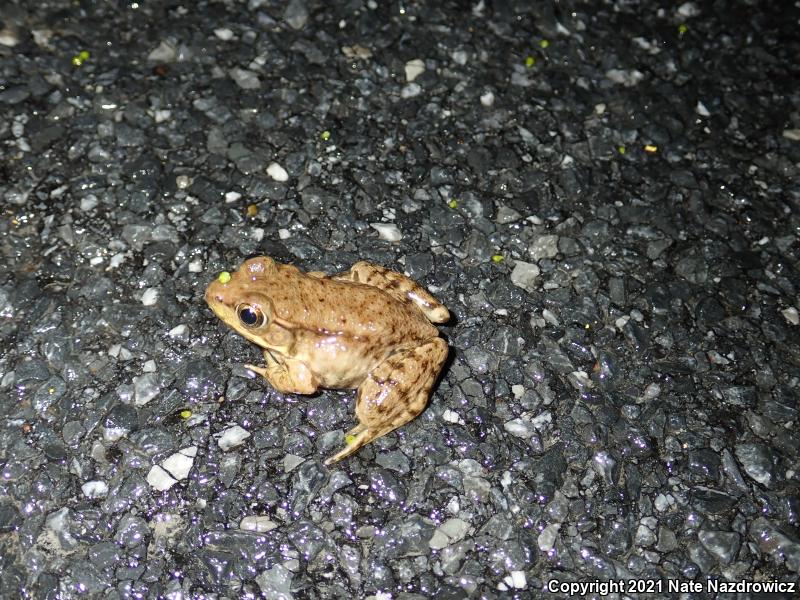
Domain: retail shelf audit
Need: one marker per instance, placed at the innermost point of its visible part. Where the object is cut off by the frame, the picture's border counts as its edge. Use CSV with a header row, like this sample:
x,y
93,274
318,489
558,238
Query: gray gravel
x,y
606,198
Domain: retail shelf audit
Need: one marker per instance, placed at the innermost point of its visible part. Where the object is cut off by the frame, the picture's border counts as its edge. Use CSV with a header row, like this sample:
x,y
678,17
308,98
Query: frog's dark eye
x,y
250,316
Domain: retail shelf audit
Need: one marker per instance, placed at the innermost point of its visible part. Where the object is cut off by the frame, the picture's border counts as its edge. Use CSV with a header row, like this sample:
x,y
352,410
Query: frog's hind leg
x,y
394,393
398,286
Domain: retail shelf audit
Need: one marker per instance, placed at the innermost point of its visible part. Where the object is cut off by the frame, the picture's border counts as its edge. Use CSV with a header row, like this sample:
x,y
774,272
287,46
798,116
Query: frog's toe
x,y
355,431
258,370
354,442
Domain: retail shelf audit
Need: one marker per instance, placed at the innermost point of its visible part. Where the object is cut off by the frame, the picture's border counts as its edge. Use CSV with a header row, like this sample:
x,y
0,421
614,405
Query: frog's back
x,y
327,306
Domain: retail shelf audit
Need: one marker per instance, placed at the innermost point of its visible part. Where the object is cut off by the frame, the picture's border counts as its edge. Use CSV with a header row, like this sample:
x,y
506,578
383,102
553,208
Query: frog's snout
x,y
213,296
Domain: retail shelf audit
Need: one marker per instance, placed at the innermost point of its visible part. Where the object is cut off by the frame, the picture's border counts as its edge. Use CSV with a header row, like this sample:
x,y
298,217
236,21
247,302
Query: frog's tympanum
x,y
368,328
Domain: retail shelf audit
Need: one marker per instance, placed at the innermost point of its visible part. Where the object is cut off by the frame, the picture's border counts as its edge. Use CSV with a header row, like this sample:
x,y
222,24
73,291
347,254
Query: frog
x,y
369,328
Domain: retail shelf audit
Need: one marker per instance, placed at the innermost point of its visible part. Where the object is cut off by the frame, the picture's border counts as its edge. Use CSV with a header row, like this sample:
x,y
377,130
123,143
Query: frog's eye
x,y
250,316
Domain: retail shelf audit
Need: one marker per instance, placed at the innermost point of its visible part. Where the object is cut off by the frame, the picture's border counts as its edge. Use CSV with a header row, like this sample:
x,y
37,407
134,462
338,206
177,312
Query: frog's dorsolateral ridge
x,y
368,328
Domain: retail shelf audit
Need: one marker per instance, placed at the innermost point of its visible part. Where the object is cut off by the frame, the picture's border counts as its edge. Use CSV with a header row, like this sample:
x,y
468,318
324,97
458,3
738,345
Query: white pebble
x,y
663,502
183,181
277,172
290,461
518,579
387,232
460,57
652,391
113,434
438,541
547,538
162,115
232,437
453,506
550,317
452,416
542,420
224,34
688,9
524,275
284,234
150,296
196,266
626,77
163,53
414,68
145,388
519,427
245,79
487,99
95,489
410,91
9,36
88,202
177,331
790,314
702,110
257,524
115,261
159,479
231,197
179,464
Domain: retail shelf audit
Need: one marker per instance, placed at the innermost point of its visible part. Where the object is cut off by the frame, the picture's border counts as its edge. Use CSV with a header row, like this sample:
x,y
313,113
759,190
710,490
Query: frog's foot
x,y
288,376
399,287
259,370
394,393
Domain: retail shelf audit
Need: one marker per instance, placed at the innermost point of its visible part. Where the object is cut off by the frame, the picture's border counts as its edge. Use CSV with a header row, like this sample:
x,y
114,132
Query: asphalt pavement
x,y
606,196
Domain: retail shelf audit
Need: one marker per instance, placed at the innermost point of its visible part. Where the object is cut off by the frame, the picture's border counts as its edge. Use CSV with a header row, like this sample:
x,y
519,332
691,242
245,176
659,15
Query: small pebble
x,y
791,315
387,232
410,91
224,34
232,437
414,68
95,489
150,296
257,524
277,172
159,479
524,275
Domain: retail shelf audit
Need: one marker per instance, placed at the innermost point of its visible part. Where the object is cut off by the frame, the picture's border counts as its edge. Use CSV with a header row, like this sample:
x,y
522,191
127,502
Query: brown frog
x,y
369,328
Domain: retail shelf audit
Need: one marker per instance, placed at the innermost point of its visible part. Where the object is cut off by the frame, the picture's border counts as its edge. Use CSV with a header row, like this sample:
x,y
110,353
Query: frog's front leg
x,y
286,375
394,393
398,286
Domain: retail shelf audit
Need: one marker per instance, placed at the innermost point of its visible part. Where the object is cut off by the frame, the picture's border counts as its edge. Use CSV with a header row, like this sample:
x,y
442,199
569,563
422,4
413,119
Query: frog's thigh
x,y
395,392
288,376
399,287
